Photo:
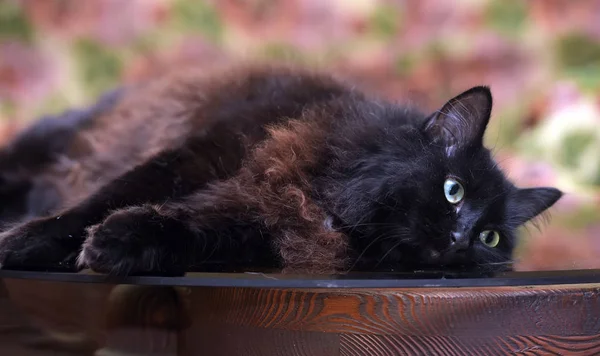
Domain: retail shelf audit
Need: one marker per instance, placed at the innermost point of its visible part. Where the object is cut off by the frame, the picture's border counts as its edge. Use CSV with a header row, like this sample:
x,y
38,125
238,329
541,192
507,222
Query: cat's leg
x,y
26,158
138,240
54,242
230,224
171,238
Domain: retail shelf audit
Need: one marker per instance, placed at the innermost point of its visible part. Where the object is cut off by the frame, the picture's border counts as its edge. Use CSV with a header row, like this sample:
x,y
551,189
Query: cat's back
x,y
164,112
188,101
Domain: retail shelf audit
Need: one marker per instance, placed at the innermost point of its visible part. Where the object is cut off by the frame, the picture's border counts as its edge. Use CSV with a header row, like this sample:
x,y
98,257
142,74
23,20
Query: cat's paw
x,y
43,244
136,241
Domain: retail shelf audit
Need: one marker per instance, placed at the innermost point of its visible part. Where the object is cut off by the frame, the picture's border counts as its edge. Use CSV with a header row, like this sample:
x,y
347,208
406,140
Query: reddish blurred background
x,y
540,57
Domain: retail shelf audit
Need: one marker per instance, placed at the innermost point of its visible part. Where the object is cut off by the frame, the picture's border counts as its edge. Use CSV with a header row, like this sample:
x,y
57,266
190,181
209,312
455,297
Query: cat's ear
x,y
462,120
523,205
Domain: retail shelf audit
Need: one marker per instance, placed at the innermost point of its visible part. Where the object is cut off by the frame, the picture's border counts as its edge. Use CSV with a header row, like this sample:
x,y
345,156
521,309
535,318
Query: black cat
x,y
271,166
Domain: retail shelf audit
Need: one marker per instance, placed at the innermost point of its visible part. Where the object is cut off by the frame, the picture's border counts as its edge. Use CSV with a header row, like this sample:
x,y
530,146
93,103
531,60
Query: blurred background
x,y
540,57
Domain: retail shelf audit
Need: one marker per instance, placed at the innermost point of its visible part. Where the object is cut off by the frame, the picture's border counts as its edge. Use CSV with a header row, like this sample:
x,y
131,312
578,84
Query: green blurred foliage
x,y
197,16
579,57
13,23
507,16
385,21
99,66
573,146
405,63
284,52
580,218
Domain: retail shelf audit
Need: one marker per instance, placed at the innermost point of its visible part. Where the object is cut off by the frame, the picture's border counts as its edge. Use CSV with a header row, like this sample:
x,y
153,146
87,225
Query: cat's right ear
x,y
461,122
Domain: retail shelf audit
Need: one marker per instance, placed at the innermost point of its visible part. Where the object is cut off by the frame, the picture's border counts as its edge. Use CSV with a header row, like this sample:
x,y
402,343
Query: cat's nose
x,y
458,241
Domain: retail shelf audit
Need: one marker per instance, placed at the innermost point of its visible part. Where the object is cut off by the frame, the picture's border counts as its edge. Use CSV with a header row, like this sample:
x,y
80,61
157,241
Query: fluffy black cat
x,y
274,167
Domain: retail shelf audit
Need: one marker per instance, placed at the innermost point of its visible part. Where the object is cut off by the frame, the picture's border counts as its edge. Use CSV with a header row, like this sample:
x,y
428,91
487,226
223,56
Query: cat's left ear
x,y
523,205
462,120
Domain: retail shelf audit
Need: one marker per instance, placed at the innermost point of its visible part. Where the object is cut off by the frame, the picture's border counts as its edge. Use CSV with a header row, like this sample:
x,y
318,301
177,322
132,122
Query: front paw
x,y
136,241
44,244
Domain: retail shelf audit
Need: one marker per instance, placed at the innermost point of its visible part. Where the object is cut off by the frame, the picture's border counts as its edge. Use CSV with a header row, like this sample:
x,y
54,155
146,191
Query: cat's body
x,y
268,166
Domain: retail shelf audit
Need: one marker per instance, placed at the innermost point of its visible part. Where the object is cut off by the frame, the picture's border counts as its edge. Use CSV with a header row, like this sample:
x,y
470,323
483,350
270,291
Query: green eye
x,y
490,238
453,191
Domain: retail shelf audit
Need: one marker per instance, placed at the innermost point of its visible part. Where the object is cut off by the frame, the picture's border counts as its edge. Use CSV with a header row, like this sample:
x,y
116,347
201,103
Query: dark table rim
x,y
362,280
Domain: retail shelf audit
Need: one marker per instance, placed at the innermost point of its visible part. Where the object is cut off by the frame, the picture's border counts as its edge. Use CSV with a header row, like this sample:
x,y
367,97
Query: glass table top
x,y
416,279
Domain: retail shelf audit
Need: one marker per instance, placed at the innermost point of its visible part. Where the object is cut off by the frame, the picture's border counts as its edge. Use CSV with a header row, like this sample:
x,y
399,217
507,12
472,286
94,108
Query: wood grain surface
x,y
393,345
549,320
557,310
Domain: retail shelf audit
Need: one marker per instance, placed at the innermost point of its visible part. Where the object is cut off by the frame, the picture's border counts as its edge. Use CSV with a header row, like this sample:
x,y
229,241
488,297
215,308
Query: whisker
x,y
366,224
378,238
388,252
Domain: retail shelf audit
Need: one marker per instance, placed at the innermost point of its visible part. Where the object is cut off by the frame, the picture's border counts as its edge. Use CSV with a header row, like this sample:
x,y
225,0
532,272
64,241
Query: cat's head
x,y
429,195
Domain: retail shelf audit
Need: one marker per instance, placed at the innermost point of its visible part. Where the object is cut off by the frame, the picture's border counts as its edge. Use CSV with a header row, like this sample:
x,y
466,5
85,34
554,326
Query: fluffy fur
x,y
266,167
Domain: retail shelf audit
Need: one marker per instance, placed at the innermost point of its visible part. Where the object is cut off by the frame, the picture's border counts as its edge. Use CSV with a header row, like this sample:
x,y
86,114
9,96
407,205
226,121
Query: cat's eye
x,y
453,191
490,238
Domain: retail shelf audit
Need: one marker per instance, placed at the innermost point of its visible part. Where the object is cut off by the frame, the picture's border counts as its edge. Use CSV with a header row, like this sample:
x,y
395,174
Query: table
x,y
422,313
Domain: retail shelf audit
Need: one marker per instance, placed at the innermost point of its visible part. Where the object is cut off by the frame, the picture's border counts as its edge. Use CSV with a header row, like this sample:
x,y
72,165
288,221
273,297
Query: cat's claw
x,y
133,241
